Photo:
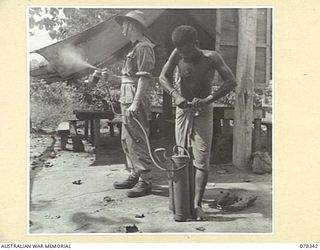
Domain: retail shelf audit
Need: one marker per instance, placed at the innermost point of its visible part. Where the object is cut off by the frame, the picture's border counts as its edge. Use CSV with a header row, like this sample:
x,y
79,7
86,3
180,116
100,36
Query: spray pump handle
x,y
176,150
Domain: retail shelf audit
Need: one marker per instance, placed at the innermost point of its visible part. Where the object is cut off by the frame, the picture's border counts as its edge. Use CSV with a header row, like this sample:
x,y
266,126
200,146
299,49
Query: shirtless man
x,y
193,98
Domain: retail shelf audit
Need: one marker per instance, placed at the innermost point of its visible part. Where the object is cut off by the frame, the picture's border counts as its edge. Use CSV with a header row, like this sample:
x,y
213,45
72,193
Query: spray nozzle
x,y
97,75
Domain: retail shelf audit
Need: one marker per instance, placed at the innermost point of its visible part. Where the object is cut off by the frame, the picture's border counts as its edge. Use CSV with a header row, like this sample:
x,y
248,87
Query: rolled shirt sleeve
x,y
140,62
145,59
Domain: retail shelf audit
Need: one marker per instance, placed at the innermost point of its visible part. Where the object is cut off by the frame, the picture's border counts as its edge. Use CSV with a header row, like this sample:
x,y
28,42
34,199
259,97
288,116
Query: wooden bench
x,y
91,119
64,131
69,127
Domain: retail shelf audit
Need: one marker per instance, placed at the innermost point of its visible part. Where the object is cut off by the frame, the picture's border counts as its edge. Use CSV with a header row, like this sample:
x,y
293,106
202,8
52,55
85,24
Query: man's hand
x,y
199,102
181,102
133,109
104,75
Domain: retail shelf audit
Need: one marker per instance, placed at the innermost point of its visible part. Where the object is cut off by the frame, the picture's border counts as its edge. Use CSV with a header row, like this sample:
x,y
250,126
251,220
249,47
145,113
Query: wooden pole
x,y
96,133
243,117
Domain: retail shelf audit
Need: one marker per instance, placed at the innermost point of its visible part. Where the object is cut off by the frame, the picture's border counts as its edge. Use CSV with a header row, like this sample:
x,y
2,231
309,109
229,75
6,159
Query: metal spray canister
x,y
95,77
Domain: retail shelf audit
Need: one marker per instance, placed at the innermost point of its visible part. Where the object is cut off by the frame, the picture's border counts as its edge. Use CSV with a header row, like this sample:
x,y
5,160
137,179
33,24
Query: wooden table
x,y
222,115
226,113
92,120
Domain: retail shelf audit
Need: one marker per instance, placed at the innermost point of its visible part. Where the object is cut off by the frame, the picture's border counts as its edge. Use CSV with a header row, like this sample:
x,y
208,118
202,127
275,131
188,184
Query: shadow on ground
x,y
85,222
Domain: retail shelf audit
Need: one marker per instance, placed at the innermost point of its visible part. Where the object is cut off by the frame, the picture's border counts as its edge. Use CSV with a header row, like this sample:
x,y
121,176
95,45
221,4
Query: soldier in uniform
x,y
193,98
135,80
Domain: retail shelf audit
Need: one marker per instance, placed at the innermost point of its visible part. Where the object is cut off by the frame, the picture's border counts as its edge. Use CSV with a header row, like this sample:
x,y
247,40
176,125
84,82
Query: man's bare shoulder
x,y
212,54
174,57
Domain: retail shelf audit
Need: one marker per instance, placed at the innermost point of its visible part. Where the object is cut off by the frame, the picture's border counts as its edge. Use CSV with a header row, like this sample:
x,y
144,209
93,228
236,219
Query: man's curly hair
x,y
184,34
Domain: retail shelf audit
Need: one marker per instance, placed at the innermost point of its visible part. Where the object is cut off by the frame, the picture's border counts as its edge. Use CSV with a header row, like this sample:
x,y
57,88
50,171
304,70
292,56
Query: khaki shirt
x,y
140,61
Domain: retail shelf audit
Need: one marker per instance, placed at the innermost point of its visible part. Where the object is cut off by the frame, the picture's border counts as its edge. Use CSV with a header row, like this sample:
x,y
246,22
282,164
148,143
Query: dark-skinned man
x,y
193,97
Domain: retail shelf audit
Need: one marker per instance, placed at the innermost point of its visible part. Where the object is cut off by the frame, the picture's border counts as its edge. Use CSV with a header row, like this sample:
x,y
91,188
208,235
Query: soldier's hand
x,y
133,109
104,75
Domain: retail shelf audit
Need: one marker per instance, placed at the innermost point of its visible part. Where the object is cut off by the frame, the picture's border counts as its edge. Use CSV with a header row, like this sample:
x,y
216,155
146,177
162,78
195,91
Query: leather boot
x,y
142,188
126,184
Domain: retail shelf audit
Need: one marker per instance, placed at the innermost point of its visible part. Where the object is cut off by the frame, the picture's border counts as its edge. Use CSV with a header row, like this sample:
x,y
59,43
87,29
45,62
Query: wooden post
x,y
96,132
242,133
92,131
111,129
257,135
86,127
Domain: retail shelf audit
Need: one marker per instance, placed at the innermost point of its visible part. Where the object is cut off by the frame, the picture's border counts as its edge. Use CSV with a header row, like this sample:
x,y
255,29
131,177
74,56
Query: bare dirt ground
x,y
72,193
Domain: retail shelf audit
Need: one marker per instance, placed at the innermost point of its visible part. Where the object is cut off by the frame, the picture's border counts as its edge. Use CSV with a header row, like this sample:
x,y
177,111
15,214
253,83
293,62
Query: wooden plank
x,y
206,19
258,45
229,25
93,114
243,116
260,68
63,126
228,44
218,30
262,26
229,54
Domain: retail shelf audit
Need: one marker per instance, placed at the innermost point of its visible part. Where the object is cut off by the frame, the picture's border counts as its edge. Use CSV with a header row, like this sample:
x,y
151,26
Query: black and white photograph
x,y
150,120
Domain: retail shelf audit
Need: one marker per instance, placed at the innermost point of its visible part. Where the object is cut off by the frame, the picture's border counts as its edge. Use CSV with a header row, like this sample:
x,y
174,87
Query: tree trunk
x,y
243,117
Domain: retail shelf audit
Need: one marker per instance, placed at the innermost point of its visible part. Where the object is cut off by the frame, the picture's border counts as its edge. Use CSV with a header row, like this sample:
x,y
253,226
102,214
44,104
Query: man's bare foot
x,y
199,214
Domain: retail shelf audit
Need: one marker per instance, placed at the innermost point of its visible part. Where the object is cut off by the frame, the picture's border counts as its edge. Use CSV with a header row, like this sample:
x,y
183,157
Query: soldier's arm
x,y
145,62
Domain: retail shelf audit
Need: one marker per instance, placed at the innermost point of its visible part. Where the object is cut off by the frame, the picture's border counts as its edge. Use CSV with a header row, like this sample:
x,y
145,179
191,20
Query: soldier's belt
x,y
129,80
